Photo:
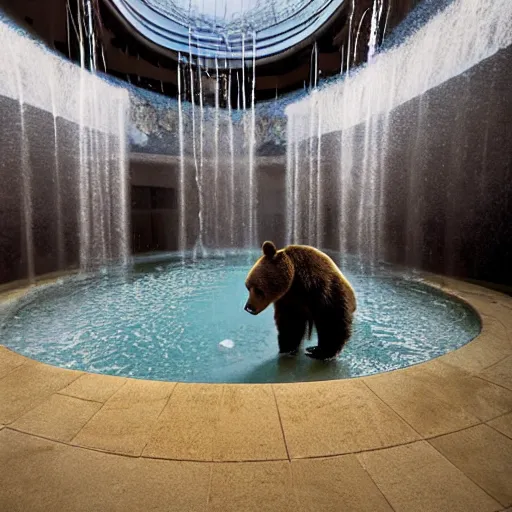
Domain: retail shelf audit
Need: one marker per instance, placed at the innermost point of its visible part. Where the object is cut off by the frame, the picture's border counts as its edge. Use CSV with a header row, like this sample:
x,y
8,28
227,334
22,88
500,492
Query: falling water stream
x,y
357,109
93,146
182,203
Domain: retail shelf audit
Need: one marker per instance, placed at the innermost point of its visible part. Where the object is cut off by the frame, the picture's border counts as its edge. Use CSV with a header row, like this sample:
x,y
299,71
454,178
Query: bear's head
x,y
269,279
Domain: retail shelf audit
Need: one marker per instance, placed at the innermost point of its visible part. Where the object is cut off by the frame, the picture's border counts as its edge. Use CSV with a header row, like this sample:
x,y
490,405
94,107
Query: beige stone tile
x,y
249,426
484,455
490,347
494,305
475,290
91,386
28,385
60,417
415,477
44,476
124,423
9,360
336,484
486,301
186,428
437,398
330,418
252,486
12,295
503,424
500,373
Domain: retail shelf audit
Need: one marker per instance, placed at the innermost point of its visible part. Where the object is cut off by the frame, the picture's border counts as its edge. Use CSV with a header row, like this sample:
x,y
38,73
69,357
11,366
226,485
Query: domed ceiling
x,y
227,30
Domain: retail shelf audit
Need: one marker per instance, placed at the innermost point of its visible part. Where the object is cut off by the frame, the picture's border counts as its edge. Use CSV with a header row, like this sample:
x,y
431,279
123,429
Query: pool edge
x,y
160,419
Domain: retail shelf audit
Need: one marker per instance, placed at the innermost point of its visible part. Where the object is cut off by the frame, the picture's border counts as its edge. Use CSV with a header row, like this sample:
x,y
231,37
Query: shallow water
x,y
176,321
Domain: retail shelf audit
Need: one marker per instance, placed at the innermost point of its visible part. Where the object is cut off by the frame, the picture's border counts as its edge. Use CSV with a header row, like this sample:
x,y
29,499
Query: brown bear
x,y
307,289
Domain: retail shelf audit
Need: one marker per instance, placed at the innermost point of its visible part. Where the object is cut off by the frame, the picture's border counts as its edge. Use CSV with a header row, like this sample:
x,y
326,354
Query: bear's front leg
x,y
291,328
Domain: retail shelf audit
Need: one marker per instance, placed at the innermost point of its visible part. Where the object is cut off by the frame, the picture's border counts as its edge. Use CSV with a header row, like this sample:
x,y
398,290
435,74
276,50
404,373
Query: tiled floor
x,y
432,437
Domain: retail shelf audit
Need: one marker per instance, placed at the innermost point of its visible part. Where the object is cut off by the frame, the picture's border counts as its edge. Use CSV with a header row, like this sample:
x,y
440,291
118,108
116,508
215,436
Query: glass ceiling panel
x,y
227,29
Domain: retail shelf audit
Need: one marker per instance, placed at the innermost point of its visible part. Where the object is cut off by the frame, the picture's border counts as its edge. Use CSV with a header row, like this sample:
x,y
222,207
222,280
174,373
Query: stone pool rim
x,y
14,292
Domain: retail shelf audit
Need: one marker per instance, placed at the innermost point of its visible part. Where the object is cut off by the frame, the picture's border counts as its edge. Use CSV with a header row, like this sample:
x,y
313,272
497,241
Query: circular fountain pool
x,y
183,321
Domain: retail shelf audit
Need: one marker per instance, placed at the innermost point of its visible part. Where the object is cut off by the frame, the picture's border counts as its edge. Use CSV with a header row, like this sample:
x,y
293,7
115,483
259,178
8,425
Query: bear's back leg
x,y
291,322
334,326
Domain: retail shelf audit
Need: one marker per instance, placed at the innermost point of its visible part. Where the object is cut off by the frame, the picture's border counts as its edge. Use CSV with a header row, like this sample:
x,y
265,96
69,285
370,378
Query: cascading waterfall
x,y
374,29
216,196
182,203
252,154
356,111
57,177
200,248
231,167
26,176
92,161
226,188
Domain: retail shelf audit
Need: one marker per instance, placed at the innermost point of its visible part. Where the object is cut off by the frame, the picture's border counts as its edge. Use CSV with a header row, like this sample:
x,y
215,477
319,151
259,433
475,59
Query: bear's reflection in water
x,y
298,368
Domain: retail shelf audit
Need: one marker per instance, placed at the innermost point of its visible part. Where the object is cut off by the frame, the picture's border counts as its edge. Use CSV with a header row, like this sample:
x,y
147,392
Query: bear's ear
x,y
269,249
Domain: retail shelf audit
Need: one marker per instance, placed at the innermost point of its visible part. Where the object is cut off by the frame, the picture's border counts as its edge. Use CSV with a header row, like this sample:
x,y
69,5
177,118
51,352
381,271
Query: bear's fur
x,y
307,289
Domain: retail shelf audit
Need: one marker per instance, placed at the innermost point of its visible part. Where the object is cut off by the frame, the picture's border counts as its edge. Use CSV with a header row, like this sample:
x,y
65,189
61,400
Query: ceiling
x,y
229,31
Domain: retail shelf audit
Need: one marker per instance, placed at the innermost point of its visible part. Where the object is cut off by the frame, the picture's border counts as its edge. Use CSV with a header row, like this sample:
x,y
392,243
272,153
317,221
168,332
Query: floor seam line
x,y
280,422
504,327
494,383
97,412
496,363
208,496
13,369
217,422
152,429
467,476
498,431
395,412
78,397
375,483
428,438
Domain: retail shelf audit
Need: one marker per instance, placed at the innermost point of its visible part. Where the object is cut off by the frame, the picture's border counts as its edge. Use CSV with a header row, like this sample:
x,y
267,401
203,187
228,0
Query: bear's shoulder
x,y
318,270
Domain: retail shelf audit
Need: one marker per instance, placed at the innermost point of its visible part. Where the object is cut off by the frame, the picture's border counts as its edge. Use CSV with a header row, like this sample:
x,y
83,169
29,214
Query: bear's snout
x,y
250,309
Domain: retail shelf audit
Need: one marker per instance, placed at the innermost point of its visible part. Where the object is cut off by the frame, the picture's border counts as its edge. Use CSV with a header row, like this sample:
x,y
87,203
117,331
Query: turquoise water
x,y
169,320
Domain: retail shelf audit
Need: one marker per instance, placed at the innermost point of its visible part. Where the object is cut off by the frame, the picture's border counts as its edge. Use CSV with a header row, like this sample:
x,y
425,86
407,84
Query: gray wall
x,y
447,182
448,174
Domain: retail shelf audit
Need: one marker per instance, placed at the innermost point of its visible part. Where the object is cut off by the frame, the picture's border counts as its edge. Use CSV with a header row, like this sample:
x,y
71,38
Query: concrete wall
x,y
447,178
447,201
156,201
40,150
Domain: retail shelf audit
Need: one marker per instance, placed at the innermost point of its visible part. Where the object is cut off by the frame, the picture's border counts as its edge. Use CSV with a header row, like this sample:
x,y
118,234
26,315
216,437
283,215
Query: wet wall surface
x,y
49,191
447,202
